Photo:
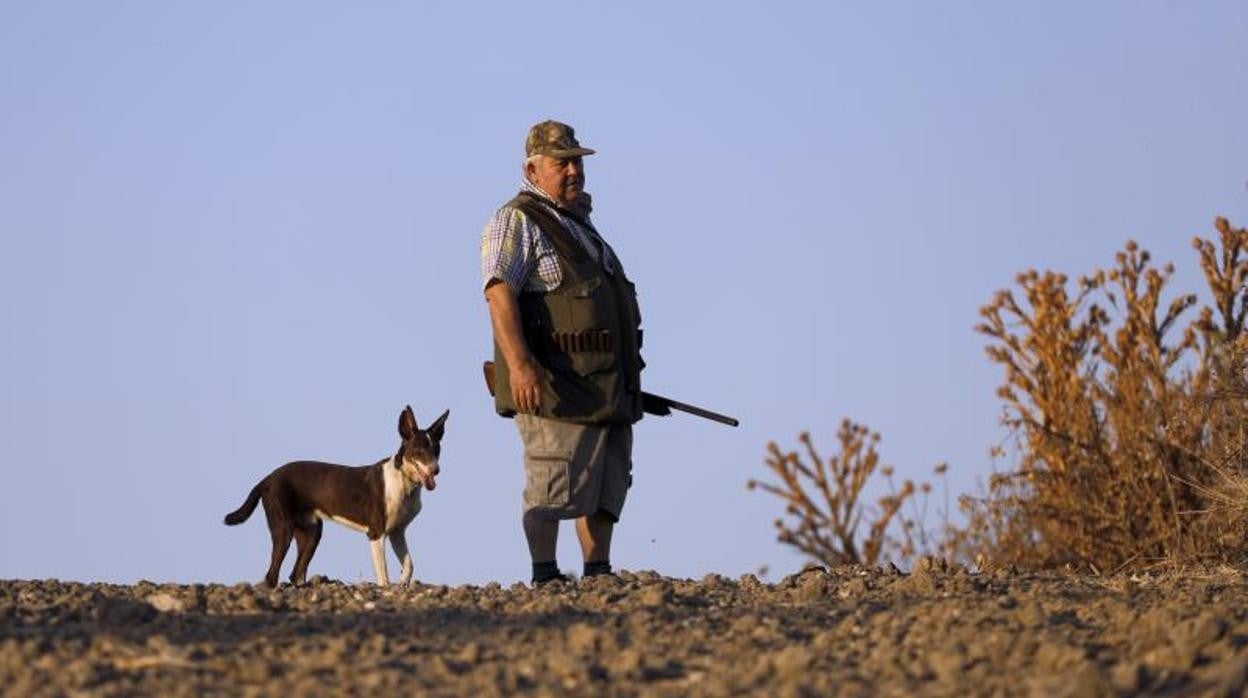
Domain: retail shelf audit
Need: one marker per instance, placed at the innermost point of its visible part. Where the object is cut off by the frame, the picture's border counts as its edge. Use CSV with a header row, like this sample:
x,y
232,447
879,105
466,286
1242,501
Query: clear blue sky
x,y
237,234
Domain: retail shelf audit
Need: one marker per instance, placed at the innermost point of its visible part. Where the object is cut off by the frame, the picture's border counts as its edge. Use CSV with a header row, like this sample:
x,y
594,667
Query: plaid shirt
x,y
514,249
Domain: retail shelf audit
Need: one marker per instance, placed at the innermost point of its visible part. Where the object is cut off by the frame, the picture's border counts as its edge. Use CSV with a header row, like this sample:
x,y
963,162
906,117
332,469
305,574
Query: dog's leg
x,y
280,530
379,561
398,541
306,538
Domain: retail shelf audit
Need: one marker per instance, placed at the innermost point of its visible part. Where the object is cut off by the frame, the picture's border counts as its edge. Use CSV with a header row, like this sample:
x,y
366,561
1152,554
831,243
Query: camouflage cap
x,y
554,139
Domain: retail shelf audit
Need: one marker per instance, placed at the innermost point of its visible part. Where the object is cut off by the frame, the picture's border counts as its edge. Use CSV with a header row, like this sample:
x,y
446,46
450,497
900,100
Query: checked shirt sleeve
x,y
507,249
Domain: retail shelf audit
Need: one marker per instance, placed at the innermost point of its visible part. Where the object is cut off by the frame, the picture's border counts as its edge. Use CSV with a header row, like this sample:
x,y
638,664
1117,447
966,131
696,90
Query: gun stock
x,y
488,368
650,403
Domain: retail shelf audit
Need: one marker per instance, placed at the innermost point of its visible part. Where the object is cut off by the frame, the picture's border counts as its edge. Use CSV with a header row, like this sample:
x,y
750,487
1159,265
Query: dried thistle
x,y
1121,422
824,501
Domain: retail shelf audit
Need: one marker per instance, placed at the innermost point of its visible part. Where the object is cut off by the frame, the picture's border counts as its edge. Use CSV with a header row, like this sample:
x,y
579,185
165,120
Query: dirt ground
x,y
848,631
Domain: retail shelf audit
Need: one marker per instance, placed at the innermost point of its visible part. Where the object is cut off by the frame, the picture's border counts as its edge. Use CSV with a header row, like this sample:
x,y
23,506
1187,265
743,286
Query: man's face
x,y
563,179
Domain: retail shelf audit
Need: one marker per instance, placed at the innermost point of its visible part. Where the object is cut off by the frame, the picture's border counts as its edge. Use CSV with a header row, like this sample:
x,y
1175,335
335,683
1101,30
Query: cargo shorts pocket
x,y
547,480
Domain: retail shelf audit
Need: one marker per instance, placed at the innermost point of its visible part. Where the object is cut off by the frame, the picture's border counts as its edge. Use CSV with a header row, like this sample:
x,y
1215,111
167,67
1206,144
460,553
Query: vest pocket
x,y
589,362
585,306
586,309
581,288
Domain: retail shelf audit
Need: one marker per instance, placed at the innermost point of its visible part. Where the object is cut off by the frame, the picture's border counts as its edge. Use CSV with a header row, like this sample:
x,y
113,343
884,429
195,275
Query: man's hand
x,y
524,372
526,387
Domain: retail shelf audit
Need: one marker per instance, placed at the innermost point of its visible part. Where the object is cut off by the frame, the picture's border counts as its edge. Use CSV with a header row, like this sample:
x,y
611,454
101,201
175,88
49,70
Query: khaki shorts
x,y
574,470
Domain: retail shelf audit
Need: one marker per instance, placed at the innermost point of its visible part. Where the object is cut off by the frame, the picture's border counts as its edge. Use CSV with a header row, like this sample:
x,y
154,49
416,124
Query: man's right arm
x,y
523,370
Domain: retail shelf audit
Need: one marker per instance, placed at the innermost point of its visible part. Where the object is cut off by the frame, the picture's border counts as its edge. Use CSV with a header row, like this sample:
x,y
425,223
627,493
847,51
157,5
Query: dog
x,y
379,500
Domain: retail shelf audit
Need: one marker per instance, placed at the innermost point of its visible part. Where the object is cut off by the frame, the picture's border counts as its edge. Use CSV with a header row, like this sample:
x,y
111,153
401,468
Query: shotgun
x,y
650,403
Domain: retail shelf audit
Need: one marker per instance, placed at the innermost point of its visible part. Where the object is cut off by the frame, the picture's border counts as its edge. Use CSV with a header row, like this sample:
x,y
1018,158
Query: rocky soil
x,y
848,631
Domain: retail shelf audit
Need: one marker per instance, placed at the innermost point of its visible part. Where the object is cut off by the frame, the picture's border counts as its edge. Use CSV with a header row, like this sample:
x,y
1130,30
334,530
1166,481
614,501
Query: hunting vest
x,y
585,333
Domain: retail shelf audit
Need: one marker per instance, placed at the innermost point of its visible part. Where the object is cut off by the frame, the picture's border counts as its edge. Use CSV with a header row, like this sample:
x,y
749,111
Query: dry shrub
x,y
1127,434
825,501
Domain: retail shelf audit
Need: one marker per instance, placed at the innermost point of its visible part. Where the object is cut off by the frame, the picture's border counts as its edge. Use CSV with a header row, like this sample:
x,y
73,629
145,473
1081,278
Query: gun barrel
x,y
695,410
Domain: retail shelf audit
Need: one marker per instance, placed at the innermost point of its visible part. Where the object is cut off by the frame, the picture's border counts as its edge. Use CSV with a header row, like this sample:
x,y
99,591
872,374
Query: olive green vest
x,y
585,333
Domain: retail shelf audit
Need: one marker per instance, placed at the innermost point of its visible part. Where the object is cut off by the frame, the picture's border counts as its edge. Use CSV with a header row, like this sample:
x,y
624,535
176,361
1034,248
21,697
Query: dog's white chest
x,y
402,498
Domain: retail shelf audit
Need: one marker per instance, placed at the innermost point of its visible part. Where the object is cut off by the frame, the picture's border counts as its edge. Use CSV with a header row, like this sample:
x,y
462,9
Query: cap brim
x,y
569,153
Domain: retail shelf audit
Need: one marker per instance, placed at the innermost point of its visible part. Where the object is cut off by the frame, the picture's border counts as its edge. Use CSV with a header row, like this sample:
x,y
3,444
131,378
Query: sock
x,y
545,571
597,567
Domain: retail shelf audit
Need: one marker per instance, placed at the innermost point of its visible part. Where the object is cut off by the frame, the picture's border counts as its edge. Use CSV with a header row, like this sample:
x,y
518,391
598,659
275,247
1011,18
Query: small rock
x,y
1230,678
1205,629
1031,614
1055,657
124,611
448,666
813,588
277,601
1127,677
246,603
626,662
1177,657
654,597
918,584
792,662
1083,681
582,638
750,584
166,603
853,589
658,671
806,571
947,665
469,654
930,564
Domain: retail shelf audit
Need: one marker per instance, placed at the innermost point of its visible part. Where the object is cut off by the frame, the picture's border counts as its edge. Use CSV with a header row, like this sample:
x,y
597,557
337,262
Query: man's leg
x,y
594,532
614,479
545,490
542,534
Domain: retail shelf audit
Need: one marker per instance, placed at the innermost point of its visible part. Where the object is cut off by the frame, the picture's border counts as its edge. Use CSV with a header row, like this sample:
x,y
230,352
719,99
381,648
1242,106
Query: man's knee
x,y
541,516
605,516
555,514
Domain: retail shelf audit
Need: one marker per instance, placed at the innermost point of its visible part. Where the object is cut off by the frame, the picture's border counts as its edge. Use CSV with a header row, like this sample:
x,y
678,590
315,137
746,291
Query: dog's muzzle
x,y
427,475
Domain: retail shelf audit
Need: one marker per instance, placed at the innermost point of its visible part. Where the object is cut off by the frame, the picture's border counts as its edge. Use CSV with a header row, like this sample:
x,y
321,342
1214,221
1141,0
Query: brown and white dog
x,y
379,500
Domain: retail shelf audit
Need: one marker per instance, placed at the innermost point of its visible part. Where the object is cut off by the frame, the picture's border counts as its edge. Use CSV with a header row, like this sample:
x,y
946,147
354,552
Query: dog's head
x,y
418,456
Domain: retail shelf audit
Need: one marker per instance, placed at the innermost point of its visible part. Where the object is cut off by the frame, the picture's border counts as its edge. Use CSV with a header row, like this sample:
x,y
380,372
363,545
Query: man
x,y
567,359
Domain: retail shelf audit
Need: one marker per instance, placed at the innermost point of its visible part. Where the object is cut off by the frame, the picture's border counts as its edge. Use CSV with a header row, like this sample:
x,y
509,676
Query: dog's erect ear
x,y
438,428
407,423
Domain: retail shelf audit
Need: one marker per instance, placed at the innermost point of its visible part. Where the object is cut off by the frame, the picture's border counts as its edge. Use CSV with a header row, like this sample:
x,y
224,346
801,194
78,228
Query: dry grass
x,y
1127,430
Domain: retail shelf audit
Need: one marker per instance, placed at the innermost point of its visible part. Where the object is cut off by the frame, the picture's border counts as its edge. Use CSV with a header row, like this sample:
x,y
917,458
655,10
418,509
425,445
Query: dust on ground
x,y
847,631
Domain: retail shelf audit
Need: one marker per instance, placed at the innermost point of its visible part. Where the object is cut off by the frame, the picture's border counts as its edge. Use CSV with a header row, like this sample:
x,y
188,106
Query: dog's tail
x,y
240,515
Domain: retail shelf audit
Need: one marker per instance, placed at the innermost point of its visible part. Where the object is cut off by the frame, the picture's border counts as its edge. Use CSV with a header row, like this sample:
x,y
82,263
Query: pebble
x,y
166,603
